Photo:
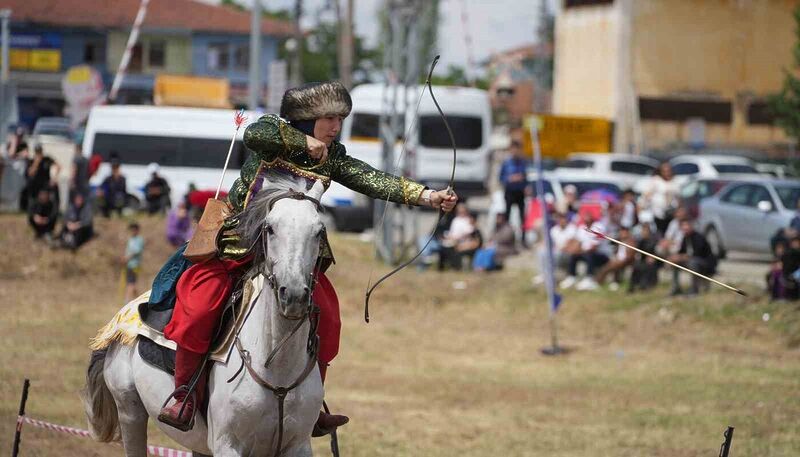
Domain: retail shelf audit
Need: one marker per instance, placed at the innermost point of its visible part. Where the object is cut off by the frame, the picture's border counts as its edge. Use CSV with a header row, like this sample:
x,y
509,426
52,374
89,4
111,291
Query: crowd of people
x,y
653,222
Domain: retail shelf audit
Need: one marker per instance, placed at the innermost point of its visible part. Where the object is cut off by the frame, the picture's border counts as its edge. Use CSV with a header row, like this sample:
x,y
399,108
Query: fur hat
x,y
315,100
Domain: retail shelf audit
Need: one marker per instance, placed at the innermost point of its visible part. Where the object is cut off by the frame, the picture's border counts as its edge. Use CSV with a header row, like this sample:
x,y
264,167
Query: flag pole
x,y
549,275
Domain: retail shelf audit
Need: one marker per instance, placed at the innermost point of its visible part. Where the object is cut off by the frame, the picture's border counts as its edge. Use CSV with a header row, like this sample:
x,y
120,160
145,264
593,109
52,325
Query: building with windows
x,y
178,37
671,73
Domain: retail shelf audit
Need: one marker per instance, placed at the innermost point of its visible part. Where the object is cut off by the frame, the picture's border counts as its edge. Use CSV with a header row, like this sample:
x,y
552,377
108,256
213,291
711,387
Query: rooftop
x,y
161,14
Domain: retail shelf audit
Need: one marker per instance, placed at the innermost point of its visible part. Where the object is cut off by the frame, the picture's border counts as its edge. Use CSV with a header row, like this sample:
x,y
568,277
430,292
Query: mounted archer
x,y
301,142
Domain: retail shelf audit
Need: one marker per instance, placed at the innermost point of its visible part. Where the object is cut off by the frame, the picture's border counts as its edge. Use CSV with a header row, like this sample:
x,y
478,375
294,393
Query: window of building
x,y
93,52
468,132
135,64
241,57
670,109
156,54
218,56
758,113
574,3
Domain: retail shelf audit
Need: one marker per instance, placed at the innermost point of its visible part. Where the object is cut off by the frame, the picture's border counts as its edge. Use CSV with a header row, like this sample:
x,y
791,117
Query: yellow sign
x,y
563,135
45,60
172,90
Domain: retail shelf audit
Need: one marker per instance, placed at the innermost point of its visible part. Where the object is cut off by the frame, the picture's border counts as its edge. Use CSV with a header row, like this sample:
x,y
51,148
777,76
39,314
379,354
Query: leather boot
x,y
186,364
326,423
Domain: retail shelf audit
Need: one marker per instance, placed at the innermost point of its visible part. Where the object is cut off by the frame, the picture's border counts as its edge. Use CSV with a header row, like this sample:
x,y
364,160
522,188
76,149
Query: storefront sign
x,y
35,52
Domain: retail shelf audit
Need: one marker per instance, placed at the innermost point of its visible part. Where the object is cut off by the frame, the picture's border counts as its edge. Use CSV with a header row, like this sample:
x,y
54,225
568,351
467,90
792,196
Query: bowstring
x,y
394,171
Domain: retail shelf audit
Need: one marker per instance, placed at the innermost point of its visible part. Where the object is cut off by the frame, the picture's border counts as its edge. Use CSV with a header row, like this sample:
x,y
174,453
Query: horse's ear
x,y
316,190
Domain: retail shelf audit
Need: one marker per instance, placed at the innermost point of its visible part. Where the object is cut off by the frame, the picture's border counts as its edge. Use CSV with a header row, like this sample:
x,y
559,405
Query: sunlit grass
x,y
442,371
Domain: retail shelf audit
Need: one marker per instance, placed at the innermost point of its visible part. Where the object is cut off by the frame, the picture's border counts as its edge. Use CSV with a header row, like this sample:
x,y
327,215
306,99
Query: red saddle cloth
x,y
201,294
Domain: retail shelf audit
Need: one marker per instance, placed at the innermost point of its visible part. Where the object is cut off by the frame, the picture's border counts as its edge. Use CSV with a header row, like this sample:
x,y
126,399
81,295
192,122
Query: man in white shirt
x,y
593,250
561,234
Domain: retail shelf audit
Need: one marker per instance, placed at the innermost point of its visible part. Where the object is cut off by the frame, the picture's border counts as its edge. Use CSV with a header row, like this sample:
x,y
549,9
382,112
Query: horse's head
x,y
293,229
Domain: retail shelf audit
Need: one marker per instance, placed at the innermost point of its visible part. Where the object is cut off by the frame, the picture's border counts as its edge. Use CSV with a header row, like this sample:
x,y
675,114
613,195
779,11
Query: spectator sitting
x,y
562,236
113,194
645,268
790,266
590,249
43,214
156,191
571,204
434,244
623,258
673,235
629,210
502,244
695,254
42,172
462,240
179,225
78,227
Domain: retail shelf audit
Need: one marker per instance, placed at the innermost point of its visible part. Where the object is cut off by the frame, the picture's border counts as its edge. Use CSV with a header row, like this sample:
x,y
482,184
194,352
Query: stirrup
x,y
182,426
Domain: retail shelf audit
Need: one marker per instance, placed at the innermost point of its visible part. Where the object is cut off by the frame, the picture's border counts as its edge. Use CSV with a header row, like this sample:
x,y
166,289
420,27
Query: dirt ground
x,y
450,364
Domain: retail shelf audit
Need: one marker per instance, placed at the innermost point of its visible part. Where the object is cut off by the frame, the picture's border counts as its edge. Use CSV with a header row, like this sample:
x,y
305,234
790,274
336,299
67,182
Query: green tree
x,y
785,105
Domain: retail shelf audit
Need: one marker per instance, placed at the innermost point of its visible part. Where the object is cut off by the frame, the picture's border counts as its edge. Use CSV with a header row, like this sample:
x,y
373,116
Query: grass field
x,y
447,372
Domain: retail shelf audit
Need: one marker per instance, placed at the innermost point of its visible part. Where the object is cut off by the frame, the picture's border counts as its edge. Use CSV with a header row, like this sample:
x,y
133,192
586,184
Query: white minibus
x,y
189,145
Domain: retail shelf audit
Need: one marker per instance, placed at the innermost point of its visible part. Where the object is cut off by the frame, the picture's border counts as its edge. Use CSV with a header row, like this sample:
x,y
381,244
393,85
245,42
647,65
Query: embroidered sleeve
x,y
268,139
360,177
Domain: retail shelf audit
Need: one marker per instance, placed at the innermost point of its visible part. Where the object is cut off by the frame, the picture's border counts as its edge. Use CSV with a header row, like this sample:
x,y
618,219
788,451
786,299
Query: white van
x,y
189,144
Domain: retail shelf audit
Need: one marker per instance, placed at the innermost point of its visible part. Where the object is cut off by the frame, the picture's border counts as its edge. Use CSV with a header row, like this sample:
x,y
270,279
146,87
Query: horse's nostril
x,y
282,292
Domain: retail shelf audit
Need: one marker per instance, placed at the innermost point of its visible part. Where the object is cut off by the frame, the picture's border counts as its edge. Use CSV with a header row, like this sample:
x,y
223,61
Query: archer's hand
x,y
317,149
443,200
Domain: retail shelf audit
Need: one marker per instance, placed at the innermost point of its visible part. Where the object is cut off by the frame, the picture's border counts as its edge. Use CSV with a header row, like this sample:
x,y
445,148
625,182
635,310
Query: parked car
x,y
744,215
625,170
51,129
697,190
713,166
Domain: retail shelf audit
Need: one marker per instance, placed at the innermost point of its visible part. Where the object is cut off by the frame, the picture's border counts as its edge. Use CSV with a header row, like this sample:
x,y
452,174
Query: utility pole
x,y
254,94
401,75
346,49
5,17
297,70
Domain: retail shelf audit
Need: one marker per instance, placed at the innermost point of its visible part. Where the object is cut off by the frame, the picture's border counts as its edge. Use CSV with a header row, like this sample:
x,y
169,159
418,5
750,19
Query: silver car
x,y
744,215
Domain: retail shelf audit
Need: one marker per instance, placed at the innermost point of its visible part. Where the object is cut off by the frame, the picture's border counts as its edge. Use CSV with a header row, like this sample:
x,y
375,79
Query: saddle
x,y
159,352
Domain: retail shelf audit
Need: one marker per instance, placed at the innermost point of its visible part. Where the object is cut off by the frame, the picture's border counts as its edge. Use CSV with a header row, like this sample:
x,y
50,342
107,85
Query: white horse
x,y
122,391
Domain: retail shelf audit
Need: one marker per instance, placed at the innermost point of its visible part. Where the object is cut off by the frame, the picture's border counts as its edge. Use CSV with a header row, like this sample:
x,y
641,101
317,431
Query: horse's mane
x,y
251,220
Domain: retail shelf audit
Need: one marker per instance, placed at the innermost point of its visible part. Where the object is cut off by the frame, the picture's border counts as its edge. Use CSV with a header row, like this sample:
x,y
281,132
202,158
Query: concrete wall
x,y
586,56
714,49
726,50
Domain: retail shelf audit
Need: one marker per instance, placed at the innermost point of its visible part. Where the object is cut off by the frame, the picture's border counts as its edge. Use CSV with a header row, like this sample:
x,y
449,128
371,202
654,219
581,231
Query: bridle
x,y
311,314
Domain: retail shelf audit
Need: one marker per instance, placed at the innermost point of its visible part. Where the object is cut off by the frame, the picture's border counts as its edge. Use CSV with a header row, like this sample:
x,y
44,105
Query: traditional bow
x,y
441,212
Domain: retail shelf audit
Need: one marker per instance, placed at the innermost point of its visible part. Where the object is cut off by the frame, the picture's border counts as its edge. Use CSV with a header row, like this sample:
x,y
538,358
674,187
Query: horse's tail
x,y
101,410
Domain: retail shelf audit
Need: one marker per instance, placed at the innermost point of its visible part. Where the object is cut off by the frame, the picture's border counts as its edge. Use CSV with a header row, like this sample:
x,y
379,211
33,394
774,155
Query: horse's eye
x,y
270,231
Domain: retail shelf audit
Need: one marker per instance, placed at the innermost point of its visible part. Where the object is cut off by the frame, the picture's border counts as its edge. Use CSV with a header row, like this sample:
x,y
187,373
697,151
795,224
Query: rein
x,y
311,314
